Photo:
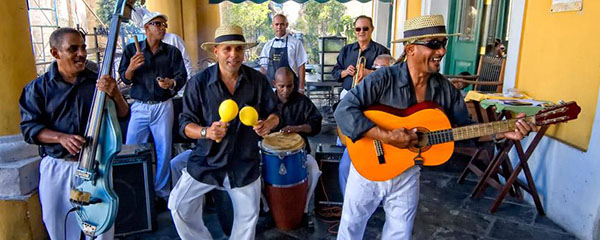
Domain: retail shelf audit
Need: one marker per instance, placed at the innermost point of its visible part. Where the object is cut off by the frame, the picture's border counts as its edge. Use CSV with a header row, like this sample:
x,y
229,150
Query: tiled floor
x,y
445,212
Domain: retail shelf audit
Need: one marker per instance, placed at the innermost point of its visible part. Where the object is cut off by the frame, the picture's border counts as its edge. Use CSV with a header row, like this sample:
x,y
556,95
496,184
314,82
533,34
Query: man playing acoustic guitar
x,y
401,86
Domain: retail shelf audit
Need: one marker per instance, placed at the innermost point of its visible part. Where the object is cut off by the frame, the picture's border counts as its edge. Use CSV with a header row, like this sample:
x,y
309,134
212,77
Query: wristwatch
x,y
203,132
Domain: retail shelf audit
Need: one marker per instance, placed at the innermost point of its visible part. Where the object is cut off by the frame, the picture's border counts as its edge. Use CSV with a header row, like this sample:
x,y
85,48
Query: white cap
x,y
152,15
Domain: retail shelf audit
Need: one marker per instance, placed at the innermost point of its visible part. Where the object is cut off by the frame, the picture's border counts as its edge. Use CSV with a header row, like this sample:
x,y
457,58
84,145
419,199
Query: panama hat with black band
x,y
228,35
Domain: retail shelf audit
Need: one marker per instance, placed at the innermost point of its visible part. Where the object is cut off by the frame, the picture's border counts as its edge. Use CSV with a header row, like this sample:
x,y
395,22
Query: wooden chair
x,y
489,78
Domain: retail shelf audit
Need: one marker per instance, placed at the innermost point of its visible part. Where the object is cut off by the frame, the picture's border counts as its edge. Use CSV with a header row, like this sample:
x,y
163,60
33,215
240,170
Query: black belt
x,y
148,102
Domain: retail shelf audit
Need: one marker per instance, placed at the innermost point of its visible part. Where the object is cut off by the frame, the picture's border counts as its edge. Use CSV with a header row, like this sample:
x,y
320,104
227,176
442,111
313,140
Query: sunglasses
x,y
364,29
433,44
159,24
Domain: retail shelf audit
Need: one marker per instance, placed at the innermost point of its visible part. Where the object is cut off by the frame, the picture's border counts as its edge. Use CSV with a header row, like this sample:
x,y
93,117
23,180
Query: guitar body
x,y
103,214
424,116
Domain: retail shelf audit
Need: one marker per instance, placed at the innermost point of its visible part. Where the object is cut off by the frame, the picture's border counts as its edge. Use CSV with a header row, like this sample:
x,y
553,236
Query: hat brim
x,y
408,39
157,16
208,46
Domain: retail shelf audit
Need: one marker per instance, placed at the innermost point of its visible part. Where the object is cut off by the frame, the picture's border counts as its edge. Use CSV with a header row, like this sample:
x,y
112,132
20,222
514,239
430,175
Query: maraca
x,y
227,111
248,116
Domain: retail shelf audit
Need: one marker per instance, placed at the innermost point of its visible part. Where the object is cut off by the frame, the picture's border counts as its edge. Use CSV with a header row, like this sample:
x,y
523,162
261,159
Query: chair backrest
x,y
491,69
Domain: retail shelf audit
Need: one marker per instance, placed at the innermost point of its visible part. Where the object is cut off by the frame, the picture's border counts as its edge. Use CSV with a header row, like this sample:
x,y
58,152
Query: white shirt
x,y
296,53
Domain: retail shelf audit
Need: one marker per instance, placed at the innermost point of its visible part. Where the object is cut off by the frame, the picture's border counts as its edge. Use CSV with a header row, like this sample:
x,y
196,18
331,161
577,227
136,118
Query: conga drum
x,y
285,175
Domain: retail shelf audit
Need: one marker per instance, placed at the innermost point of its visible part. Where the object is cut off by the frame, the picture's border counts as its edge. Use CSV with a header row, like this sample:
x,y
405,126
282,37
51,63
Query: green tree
x,y
254,20
321,20
105,10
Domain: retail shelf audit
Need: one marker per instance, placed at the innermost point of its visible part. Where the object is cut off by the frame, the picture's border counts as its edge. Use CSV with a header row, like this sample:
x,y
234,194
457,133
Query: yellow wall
x,y
190,29
559,60
208,21
413,8
22,219
16,63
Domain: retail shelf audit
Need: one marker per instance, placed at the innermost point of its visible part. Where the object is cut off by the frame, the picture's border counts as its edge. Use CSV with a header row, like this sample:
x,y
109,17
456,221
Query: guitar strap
x,y
419,159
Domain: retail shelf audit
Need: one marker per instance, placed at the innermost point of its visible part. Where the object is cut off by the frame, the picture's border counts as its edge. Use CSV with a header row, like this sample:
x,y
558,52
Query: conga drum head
x,y
282,142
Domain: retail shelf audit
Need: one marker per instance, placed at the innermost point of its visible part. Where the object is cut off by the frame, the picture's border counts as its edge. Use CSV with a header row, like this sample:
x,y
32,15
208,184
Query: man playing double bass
x,y
54,113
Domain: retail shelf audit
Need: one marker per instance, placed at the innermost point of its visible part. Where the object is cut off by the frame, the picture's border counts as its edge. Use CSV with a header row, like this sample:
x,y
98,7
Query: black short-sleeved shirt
x,y
299,110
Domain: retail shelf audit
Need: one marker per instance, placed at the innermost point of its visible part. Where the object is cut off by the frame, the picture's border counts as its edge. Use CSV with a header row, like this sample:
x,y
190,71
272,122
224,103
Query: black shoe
x,y
307,221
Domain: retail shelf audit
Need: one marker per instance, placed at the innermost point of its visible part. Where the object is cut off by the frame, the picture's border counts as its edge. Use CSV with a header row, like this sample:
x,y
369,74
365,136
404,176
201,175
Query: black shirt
x,y
348,56
299,110
237,155
393,86
167,62
50,102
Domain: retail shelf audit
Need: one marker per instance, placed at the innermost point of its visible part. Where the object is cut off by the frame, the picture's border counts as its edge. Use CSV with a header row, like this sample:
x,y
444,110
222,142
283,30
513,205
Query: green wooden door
x,y
465,18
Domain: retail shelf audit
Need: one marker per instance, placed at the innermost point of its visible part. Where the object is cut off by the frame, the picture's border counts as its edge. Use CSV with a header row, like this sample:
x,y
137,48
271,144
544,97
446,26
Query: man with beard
x,y
156,73
54,113
400,86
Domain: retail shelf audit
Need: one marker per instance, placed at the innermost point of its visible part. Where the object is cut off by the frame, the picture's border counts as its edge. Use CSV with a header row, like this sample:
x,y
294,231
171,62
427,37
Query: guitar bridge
x,y
379,151
88,229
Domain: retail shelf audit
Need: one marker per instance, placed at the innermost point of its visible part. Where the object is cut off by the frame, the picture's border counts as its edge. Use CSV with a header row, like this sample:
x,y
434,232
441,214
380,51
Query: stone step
x,y
19,177
13,148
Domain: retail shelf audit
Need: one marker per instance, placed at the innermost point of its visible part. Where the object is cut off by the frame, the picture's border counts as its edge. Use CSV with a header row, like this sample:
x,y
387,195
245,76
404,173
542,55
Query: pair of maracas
x,y
228,110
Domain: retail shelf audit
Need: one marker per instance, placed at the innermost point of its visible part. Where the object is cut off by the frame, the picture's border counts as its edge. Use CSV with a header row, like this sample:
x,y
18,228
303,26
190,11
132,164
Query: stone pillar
x,y
190,30
209,20
16,61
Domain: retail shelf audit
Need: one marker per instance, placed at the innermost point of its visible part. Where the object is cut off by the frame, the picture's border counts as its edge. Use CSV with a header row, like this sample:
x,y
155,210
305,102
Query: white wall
x,y
567,182
381,21
397,33
514,42
566,178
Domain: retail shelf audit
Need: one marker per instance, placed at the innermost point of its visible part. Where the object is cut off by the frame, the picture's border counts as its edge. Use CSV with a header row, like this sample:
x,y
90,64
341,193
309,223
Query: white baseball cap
x,y
152,15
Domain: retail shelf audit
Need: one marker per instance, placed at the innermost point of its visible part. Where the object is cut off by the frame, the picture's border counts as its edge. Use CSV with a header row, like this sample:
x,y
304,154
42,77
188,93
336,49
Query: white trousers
x,y
179,162
55,189
158,119
186,203
400,197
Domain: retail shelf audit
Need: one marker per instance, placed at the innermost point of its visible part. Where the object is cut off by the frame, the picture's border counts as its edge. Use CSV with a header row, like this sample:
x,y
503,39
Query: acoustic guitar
x,y
377,161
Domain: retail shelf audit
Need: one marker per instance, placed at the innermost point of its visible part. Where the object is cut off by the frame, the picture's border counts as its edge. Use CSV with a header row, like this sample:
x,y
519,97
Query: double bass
x,y
92,196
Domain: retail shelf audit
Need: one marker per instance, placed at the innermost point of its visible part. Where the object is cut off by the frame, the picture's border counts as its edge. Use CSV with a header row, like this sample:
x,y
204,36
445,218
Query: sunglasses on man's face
x,y
364,29
433,44
159,24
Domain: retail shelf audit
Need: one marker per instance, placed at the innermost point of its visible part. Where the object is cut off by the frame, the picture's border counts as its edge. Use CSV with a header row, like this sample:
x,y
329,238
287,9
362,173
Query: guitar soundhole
x,y
422,141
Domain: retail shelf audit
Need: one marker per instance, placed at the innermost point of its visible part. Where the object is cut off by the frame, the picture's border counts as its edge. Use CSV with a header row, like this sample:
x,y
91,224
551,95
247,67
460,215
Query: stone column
x,y
16,61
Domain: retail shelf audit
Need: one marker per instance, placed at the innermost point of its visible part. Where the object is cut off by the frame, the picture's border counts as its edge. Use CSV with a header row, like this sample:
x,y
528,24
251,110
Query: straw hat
x,y
230,35
424,27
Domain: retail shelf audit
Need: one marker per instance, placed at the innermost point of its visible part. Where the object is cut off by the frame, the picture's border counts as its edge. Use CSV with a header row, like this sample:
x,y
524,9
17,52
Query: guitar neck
x,y
473,131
